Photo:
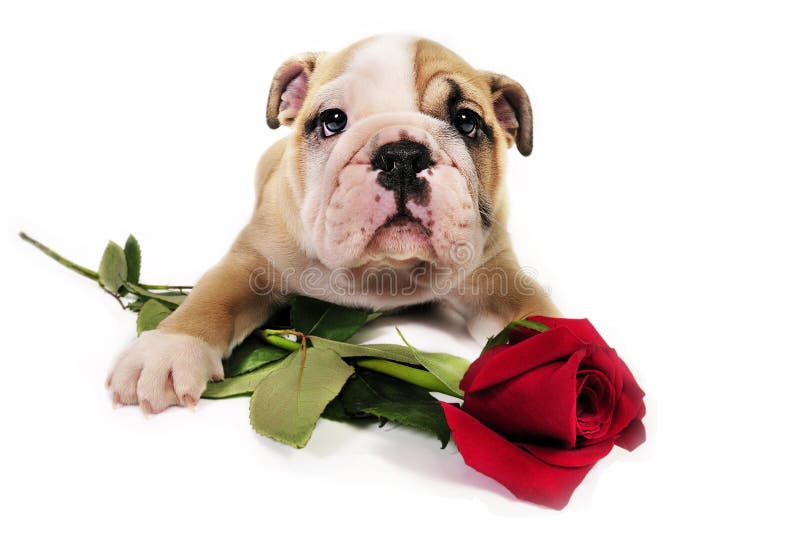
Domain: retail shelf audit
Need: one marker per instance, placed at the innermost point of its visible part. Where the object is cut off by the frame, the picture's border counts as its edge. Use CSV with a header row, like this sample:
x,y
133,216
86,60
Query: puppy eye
x,y
333,121
466,122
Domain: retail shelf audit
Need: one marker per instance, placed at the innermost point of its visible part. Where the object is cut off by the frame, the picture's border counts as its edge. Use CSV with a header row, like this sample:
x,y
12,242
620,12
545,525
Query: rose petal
x,y
633,435
477,366
605,360
521,333
577,457
582,328
525,475
507,361
595,404
534,406
630,403
628,393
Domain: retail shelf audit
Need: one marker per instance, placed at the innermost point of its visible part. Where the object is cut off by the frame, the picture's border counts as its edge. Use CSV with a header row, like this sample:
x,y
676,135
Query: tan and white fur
x,y
334,221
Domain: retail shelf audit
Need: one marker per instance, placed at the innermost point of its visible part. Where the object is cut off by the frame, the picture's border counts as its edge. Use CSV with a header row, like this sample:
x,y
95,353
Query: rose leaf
x,y
286,405
447,368
386,351
133,259
113,269
373,394
242,385
150,315
319,318
251,354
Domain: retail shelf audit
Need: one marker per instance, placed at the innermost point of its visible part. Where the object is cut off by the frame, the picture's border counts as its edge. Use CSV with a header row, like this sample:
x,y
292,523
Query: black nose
x,y
400,163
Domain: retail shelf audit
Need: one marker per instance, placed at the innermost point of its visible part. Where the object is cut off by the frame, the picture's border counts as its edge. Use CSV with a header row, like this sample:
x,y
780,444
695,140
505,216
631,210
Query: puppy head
x,y
399,148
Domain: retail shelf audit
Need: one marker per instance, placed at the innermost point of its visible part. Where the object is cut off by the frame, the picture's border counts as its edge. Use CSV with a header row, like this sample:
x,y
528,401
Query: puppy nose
x,y
403,159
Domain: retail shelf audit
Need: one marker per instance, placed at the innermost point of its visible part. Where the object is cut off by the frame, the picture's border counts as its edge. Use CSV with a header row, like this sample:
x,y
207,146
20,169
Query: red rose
x,y
540,411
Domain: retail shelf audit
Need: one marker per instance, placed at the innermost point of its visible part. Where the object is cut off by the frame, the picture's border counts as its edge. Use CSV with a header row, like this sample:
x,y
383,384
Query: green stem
x,y
83,271
159,287
418,377
280,332
278,341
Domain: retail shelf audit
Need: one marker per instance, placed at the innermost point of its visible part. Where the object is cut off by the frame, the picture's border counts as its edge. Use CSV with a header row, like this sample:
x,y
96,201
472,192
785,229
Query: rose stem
x,y
83,271
158,286
279,341
418,377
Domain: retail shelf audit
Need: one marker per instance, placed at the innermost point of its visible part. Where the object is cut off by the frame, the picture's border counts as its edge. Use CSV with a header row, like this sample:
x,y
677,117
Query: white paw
x,y
161,369
482,327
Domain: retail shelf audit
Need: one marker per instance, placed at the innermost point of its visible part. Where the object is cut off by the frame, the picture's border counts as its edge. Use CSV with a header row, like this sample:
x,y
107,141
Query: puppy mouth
x,y
403,222
402,236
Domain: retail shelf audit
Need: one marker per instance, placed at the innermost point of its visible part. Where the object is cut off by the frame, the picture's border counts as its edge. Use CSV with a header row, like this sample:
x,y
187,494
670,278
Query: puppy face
x,y
399,148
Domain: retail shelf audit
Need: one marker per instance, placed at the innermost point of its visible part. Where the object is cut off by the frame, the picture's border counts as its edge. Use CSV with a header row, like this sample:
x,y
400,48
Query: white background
x,y
660,201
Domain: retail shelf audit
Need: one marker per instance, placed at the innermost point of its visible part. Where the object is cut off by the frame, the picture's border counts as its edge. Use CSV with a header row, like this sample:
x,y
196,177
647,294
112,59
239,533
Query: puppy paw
x,y
161,369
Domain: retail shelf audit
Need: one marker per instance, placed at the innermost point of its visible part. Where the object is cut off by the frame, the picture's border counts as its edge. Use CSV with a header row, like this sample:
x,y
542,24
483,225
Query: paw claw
x,y
115,402
189,401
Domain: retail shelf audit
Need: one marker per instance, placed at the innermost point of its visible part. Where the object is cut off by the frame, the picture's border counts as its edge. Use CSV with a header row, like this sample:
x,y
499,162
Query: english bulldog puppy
x,y
388,191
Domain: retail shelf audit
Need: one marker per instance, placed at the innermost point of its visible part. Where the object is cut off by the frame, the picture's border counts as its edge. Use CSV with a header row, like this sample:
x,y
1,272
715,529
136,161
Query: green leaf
x,y
287,404
407,373
315,317
113,269
502,337
397,353
335,411
136,305
151,314
446,367
171,299
133,259
370,393
251,354
238,386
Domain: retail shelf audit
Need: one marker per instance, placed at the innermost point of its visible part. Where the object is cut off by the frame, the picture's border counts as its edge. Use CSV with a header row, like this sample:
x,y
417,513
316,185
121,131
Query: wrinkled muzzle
x,y
397,187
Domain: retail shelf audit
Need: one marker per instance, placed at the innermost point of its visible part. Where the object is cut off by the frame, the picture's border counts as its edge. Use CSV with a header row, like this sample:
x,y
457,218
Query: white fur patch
x,y
380,77
161,369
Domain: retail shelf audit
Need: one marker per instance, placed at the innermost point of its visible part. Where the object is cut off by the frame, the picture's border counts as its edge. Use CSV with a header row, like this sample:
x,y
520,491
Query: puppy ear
x,y
289,88
512,107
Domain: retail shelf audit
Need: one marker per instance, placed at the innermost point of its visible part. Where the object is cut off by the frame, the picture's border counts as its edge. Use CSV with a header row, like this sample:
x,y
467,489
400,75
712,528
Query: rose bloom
x,y
541,410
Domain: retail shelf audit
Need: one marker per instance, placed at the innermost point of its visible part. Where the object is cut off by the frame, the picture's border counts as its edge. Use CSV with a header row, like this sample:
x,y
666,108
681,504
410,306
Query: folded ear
x,y
512,107
289,88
